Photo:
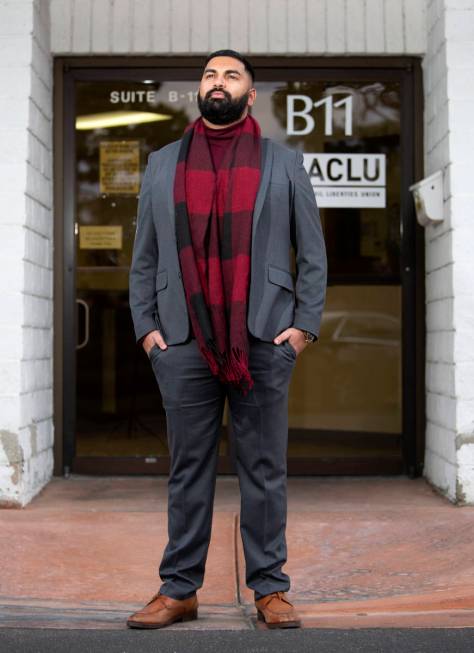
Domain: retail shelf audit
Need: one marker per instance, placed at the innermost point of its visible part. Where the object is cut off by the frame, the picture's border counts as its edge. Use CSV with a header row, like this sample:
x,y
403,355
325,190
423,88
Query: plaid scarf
x,y
214,230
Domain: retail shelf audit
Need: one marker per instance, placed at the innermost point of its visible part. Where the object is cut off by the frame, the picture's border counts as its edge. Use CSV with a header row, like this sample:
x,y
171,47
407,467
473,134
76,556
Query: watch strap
x,y
309,337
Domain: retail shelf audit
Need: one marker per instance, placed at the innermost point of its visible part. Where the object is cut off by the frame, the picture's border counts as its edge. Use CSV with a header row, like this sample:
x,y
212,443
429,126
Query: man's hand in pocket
x,y
152,338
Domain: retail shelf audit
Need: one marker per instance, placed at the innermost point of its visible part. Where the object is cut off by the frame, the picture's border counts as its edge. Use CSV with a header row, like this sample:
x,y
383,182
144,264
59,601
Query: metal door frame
x,y
406,70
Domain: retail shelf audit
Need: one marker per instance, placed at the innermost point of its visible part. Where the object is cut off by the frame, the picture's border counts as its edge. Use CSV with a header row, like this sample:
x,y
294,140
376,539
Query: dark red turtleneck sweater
x,y
219,140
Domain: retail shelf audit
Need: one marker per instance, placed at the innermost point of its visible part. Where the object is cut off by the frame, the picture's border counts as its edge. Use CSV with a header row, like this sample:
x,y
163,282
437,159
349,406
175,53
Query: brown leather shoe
x,y
276,611
162,610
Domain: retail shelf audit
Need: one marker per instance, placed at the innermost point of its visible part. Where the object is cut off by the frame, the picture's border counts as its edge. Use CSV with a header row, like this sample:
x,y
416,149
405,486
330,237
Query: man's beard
x,y
222,111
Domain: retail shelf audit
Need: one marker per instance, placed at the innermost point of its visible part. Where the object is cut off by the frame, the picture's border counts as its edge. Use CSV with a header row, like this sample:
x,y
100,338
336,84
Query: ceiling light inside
x,y
117,119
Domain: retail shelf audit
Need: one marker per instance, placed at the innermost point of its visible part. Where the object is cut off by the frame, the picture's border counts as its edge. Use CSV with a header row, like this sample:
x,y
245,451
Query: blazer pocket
x,y
161,280
280,277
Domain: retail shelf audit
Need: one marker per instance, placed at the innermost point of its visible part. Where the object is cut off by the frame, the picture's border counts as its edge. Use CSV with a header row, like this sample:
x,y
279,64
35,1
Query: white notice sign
x,y
347,180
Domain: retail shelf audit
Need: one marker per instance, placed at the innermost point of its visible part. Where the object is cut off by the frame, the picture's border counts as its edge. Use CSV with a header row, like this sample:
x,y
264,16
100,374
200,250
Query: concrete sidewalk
x,y
362,553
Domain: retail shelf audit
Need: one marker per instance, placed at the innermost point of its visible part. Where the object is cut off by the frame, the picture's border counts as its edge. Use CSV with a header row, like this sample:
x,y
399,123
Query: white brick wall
x,y
449,98
26,424
252,26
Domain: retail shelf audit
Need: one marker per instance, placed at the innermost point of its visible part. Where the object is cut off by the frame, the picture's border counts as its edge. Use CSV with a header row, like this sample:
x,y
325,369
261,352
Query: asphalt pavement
x,y
376,640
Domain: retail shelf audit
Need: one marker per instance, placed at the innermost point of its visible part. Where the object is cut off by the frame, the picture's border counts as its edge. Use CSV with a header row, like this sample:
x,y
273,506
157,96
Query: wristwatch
x,y
309,337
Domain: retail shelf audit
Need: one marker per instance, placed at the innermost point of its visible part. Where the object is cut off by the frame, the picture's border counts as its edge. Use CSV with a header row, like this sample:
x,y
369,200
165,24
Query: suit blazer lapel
x,y
267,160
170,173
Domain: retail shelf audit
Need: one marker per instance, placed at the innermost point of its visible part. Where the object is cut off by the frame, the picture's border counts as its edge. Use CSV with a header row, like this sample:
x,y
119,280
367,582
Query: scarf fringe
x,y
230,368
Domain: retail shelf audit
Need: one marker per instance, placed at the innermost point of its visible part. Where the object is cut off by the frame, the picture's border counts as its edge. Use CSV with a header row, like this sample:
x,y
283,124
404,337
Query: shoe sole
x,y
189,616
281,624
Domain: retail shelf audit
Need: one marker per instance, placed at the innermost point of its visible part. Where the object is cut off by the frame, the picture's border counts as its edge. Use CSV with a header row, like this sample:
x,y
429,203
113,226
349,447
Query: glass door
x,y
346,391
119,415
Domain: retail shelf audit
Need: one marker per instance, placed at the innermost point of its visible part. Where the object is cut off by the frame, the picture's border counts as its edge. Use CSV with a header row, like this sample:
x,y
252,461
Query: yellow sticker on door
x,y
119,167
100,237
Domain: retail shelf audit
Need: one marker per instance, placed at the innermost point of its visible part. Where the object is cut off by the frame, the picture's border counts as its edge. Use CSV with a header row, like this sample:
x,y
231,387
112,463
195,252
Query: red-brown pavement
x,y
362,552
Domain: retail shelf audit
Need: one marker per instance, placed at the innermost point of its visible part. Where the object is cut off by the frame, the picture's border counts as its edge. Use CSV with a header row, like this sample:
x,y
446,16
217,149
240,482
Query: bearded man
x,y
219,314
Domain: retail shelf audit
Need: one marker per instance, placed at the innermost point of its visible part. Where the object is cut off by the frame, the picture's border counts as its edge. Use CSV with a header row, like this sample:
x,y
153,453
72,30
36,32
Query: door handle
x,y
86,324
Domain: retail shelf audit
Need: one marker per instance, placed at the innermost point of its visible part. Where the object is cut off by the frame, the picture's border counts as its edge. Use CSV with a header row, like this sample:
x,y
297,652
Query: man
x,y
215,306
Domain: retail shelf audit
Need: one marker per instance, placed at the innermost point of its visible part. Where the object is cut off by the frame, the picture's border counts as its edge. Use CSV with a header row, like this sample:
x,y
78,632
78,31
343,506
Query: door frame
x,y
408,71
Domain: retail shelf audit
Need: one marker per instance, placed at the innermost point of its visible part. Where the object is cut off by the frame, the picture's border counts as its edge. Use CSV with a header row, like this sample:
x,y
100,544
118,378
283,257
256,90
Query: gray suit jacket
x,y
285,215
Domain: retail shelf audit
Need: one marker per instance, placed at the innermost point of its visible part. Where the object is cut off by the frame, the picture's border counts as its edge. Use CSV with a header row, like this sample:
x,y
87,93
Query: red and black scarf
x,y
214,230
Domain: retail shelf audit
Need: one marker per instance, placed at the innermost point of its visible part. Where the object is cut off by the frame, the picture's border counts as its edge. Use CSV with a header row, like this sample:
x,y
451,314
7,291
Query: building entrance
x,y
352,405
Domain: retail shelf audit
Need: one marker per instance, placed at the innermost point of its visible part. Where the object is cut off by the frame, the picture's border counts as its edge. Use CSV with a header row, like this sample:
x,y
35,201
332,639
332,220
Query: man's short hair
x,y
235,55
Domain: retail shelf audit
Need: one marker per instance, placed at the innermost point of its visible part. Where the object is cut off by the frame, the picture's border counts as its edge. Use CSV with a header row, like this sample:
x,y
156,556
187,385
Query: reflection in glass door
x,y
345,403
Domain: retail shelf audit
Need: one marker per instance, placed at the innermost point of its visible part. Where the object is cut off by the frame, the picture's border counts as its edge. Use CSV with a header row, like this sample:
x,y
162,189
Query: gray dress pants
x,y
194,401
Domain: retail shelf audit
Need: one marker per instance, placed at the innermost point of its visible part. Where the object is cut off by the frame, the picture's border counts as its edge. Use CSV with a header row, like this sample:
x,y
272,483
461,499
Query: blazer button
x,y
179,275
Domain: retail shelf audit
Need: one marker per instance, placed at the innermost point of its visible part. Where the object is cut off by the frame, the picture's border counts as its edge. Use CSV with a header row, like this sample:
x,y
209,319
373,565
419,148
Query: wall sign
x,y
309,123
347,180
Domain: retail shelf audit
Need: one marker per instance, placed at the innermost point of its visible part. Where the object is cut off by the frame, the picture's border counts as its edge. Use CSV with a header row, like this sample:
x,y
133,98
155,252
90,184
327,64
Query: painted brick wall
x,y
253,26
26,423
449,98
